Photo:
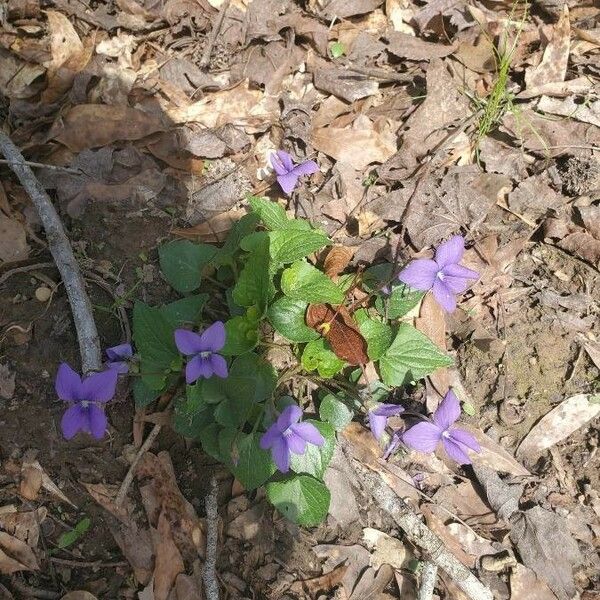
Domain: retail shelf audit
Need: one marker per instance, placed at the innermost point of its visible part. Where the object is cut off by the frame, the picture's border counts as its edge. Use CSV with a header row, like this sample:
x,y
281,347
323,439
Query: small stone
x,y
43,293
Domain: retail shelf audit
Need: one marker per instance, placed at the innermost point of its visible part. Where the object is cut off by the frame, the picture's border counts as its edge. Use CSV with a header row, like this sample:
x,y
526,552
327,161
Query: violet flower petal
x,y
444,296
288,182
219,365
100,387
296,444
450,252
269,436
119,352
98,421
281,454
423,436
213,337
188,342
286,160
308,167
377,424
309,433
196,368
460,436
277,164
74,420
67,384
448,411
119,366
455,452
387,410
420,274
461,271
289,415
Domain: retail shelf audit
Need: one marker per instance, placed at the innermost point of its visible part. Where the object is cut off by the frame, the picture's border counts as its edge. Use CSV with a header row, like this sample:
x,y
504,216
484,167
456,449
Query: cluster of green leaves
x,y
259,282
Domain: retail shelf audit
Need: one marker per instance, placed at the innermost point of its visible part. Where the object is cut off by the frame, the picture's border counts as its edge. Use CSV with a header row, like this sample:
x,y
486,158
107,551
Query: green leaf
x,y
301,498
378,335
241,335
254,465
289,245
400,302
242,228
271,214
315,459
337,49
182,263
142,394
154,341
302,281
70,537
251,379
210,437
318,355
192,414
336,412
255,284
411,356
186,311
288,317
207,391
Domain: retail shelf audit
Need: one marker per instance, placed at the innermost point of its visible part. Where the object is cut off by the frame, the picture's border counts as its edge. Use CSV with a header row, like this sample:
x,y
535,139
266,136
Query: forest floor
x,y
427,118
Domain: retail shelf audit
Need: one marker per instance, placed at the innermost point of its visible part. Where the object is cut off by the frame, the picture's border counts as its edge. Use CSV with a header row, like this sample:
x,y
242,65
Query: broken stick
x,y
62,253
417,532
209,573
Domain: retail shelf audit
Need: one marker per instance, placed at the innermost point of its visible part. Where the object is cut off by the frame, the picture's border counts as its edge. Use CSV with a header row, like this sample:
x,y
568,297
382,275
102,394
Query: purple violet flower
x,y
87,396
203,348
426,436
287,435
118,357
287,173
379,415
444,275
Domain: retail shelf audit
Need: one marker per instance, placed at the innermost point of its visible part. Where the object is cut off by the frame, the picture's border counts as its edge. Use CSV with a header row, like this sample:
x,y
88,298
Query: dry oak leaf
x,y
168,563
338,328
15,555
337,259
359,145
587,112
251,109
323,583
93,125
79,595
559,423
556,55
13,240
410,47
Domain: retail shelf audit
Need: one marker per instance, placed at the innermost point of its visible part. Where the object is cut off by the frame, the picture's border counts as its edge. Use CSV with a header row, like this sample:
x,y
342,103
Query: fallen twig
x,y
38,165
417,532
87,564
205,60
428,577
60,248
131,472
209,576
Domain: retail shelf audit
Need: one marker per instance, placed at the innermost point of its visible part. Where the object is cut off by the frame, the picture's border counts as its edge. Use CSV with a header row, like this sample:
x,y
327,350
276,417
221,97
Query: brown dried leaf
x,y
13,240
339,329
354,557
559,423
7,382
358,145
214,230
588,112
25,526
323,583
168,563
93,125
493,455
338,258
556,55
79,595
32,473
410,47
524,585
15,555
348,8
344,84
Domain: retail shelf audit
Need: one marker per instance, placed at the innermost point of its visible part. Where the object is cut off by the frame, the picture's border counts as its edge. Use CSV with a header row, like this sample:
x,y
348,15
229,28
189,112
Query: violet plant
x,y
212,348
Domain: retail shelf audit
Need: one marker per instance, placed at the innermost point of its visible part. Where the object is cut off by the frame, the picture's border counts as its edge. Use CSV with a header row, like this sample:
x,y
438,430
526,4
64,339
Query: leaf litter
x,y
121,97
